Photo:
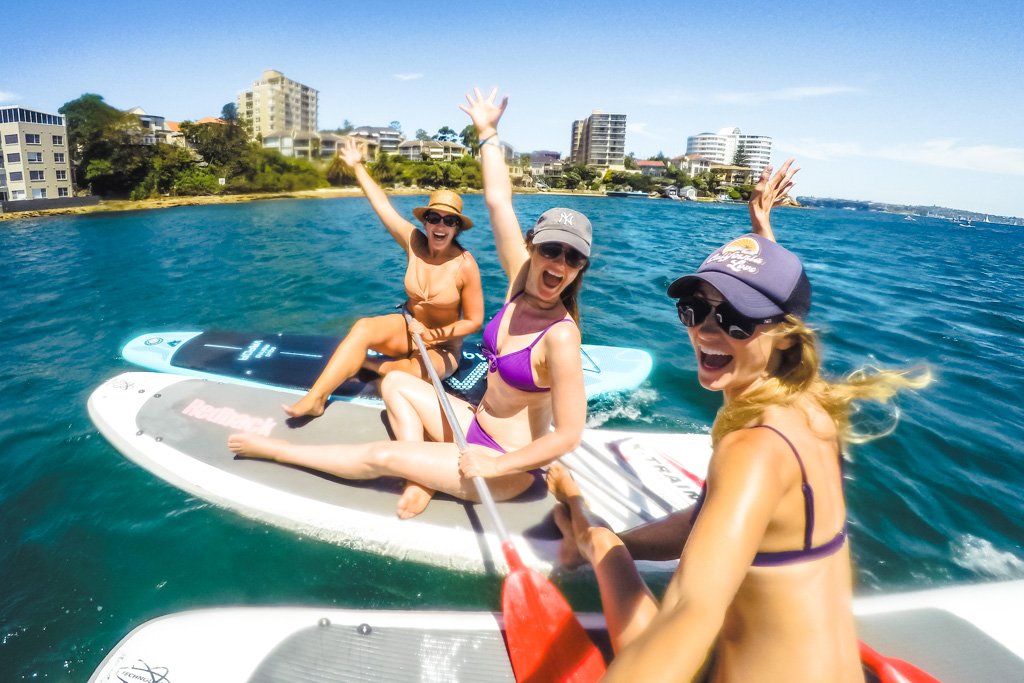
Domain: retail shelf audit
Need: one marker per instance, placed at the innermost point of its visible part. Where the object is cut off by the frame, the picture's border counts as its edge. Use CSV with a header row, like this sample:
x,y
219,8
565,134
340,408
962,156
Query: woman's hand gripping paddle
x,y
546,643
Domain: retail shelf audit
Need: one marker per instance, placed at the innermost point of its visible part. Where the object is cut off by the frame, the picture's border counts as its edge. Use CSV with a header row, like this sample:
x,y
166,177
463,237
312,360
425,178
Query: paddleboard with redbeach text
x,y
177,428
293,361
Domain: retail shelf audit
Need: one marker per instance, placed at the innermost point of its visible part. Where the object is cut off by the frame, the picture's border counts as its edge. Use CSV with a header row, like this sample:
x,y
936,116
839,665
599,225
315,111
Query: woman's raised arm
x,y
771,191
400,228
508,236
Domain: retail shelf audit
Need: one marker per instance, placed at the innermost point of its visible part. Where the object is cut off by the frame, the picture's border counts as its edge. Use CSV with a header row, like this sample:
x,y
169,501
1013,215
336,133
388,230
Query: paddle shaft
x,y
460,438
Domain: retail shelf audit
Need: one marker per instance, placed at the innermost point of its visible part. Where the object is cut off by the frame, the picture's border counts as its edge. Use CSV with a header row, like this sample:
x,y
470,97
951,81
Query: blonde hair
x,y
796,376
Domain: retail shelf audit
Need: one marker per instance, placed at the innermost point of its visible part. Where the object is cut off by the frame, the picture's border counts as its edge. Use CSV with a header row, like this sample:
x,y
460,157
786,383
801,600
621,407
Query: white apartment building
x,y
599,140
283,112
721,147
387,139
431,150
35,162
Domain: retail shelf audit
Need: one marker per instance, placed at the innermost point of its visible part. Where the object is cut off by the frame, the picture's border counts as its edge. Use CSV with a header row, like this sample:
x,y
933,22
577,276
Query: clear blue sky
x,y
895,101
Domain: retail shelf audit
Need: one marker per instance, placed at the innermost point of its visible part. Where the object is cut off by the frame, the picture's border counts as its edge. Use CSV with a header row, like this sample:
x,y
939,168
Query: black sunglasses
x,y
694,309
552,250
434,218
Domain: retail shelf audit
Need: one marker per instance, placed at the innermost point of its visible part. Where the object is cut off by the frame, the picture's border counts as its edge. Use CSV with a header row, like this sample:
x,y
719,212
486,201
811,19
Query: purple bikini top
x,y
514,368
808,552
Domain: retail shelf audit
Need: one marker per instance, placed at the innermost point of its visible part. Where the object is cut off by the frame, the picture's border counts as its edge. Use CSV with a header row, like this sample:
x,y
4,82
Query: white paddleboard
x,y
295,361
177,427
958,634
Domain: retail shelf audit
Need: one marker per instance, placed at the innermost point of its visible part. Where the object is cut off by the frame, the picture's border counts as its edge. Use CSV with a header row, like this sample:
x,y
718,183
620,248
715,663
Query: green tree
x,y
630,162
422,134
226,147
741,157
165,165
469,137
94,130
386,169
446,134
395,125
195,181
229,112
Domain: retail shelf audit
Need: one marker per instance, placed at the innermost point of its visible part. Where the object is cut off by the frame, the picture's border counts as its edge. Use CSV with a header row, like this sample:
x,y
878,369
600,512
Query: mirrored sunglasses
x,y
694,309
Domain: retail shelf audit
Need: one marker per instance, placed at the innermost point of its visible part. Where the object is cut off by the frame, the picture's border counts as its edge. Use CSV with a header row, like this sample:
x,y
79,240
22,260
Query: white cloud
x,y
8,96
408,77
637,128
782,95
670,98
944,153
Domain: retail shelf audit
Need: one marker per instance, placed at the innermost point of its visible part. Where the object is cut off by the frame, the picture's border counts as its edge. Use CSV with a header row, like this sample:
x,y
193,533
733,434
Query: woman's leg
x,y
415,414
445,360
434,464
628,604
384,333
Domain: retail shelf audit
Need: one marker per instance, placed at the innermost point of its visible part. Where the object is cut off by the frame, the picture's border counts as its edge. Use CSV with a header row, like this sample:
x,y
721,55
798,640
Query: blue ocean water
x,y
91,545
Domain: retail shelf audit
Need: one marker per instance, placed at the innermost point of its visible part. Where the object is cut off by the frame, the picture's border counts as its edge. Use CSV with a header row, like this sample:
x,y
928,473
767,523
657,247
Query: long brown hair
x,y
570,295
796,375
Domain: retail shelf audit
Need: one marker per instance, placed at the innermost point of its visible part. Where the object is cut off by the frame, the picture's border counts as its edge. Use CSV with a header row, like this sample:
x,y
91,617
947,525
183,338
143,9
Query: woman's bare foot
x,y
561,484
414,500
569,555
253,446
582,531
309,405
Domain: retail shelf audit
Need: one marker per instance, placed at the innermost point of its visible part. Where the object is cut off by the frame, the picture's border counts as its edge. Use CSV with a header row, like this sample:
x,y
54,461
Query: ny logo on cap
x,y
565,218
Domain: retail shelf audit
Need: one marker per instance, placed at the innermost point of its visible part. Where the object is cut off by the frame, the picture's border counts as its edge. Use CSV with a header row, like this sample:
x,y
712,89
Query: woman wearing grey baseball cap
x,y
535,405
763,588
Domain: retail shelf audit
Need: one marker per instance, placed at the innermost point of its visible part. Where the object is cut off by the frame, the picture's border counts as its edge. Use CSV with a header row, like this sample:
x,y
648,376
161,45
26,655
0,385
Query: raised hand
x,y
350,153
484,112
770,191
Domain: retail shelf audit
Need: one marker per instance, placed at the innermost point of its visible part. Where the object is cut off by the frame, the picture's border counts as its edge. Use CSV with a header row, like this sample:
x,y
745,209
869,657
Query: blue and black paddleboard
x,y
293,361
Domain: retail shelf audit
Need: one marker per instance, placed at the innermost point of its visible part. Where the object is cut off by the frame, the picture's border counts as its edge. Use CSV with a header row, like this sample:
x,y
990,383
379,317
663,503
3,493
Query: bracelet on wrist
x,y
490,141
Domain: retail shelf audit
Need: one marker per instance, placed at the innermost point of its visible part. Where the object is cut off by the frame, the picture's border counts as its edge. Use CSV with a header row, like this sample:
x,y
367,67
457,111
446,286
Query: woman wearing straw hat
x,y
535,405
442,285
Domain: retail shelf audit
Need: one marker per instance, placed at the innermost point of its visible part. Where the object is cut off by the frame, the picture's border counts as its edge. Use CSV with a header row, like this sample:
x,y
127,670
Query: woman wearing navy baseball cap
x,y
764,586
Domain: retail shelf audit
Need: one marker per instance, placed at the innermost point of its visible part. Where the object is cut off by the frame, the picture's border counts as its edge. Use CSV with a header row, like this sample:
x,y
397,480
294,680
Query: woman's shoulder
x,y
562,332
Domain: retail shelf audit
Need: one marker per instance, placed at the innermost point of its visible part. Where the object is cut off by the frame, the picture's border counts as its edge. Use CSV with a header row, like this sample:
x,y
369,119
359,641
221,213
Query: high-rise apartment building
x,y
35,162
282,112
599,140
721,148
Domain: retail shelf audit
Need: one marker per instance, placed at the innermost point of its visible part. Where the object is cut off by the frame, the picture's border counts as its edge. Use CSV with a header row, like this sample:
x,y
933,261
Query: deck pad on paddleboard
x,y
295,361
958,634
177,428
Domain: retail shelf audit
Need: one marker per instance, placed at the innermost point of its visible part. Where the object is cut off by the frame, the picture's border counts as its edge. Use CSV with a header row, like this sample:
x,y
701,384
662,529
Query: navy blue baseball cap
x,y
760,278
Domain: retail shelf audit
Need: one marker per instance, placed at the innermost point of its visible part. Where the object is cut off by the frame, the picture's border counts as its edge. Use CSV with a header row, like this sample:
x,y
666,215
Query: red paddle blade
x,y
546,643
891,669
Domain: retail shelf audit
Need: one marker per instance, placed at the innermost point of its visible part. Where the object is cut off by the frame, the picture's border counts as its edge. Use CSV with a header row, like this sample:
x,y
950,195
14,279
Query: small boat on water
x,y
624,193
955,634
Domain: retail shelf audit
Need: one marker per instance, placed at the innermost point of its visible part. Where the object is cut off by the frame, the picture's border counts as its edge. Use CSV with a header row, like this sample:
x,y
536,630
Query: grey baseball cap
x,y
566,226
760,278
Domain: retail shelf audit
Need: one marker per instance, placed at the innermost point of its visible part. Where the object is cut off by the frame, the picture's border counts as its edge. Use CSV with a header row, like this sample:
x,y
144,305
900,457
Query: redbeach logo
x,y
229,417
